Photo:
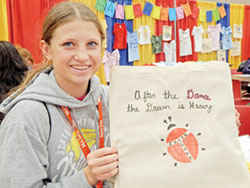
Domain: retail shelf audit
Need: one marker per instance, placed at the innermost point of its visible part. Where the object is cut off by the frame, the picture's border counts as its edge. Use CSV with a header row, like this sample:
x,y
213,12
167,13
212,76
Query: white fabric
x,y
109,60
167,33
148,123
214,36
238,31
185,42
144,34
197,33
170,51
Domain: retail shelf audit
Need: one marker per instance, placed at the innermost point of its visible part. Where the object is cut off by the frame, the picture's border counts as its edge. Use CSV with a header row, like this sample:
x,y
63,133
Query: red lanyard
x,y
82,142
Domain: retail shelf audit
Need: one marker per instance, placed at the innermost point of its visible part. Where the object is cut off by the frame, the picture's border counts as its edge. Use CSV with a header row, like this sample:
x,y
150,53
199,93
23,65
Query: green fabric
x,y
216,15
156,44
100,5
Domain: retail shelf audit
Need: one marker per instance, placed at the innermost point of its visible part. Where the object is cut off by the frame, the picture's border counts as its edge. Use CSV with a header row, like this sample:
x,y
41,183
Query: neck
x,y
75,90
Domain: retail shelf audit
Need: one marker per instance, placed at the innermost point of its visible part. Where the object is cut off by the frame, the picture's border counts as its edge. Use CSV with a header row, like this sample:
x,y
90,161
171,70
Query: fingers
x,y
102,163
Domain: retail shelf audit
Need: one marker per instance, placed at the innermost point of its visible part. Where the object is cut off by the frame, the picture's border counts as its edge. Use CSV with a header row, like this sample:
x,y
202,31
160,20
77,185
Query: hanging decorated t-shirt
x,y
216,15
197,33
144,34
226,38
164,14
209,15
129,12
202,15
109,60
119,12
156,12
214,36
148,7
187,9
120,33
195,12
185,42
133,51
222,11
238,32
100,5
137,10
156,44
167,32
170,51
179,12
172,14
110,9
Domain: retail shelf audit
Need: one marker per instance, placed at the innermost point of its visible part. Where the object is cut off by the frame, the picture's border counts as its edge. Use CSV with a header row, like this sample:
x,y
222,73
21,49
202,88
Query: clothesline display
x,y
129,12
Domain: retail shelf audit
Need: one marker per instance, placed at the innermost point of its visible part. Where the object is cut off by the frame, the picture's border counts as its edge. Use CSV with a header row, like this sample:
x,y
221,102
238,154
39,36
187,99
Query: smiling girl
x,y
56,131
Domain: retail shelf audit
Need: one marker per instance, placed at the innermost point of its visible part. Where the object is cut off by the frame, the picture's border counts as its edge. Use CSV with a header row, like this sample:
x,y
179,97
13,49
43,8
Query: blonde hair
x,y
26,55
61,14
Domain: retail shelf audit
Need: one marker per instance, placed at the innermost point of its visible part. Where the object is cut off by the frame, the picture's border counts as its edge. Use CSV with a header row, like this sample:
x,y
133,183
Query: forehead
x,y
77,27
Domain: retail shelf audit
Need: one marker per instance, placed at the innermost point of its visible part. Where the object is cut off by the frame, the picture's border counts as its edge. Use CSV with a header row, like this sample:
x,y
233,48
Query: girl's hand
x,y
102,164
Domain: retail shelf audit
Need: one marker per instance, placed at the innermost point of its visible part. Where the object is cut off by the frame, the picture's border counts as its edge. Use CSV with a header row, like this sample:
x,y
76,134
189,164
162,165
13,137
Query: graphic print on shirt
x,y
182,145
72,158
144,34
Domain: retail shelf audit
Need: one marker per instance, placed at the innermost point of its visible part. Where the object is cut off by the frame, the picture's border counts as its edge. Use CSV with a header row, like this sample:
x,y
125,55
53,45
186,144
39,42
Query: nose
x,y
81,54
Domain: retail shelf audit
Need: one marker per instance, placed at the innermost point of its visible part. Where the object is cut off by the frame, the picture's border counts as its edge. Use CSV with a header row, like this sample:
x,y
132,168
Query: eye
x,y
92,44
68,44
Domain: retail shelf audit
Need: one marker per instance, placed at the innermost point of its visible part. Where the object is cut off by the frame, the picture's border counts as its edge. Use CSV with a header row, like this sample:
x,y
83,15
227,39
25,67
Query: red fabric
x,y
187,22
25,19
246,34
159,27
244,111
120,33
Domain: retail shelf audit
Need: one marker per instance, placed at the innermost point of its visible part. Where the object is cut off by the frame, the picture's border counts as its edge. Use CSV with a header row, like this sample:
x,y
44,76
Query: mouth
x,y
80,67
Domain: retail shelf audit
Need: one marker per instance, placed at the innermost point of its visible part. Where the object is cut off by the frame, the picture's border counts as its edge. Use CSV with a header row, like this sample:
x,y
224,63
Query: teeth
x,y
79,67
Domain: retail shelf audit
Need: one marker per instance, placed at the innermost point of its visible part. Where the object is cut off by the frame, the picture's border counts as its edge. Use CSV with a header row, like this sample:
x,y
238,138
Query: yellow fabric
x,y
203,5
236,17
91,4
156,12
145,51
129,12
4,34
202,15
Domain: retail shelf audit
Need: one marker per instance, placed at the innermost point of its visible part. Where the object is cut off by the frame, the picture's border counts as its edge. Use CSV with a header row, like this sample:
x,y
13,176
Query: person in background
x,y
56,129
12,69
26,56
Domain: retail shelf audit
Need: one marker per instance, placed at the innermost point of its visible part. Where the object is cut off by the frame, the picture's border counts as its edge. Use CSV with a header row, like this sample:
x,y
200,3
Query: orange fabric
x,y
164,14
222,11
186,9
246,34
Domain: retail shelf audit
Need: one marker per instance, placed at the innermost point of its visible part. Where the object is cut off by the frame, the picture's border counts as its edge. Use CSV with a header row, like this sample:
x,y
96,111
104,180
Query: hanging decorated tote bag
x,y
175,127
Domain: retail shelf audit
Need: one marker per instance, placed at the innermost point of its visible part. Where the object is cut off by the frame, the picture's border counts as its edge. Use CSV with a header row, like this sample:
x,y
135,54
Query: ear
x,y
45,48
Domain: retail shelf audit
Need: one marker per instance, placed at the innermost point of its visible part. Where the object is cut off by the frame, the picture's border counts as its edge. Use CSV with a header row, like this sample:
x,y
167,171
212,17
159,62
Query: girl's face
x,y
75,51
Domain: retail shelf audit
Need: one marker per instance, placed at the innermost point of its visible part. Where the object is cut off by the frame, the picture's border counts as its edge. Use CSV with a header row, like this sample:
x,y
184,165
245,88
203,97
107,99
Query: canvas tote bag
x,y
175,127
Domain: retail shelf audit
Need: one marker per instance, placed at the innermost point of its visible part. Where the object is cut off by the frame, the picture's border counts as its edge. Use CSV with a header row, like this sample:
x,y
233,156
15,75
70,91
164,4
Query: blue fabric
x,y
226,38
110,9
225,21
148,7
172,14
133,50
209,15
110,37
